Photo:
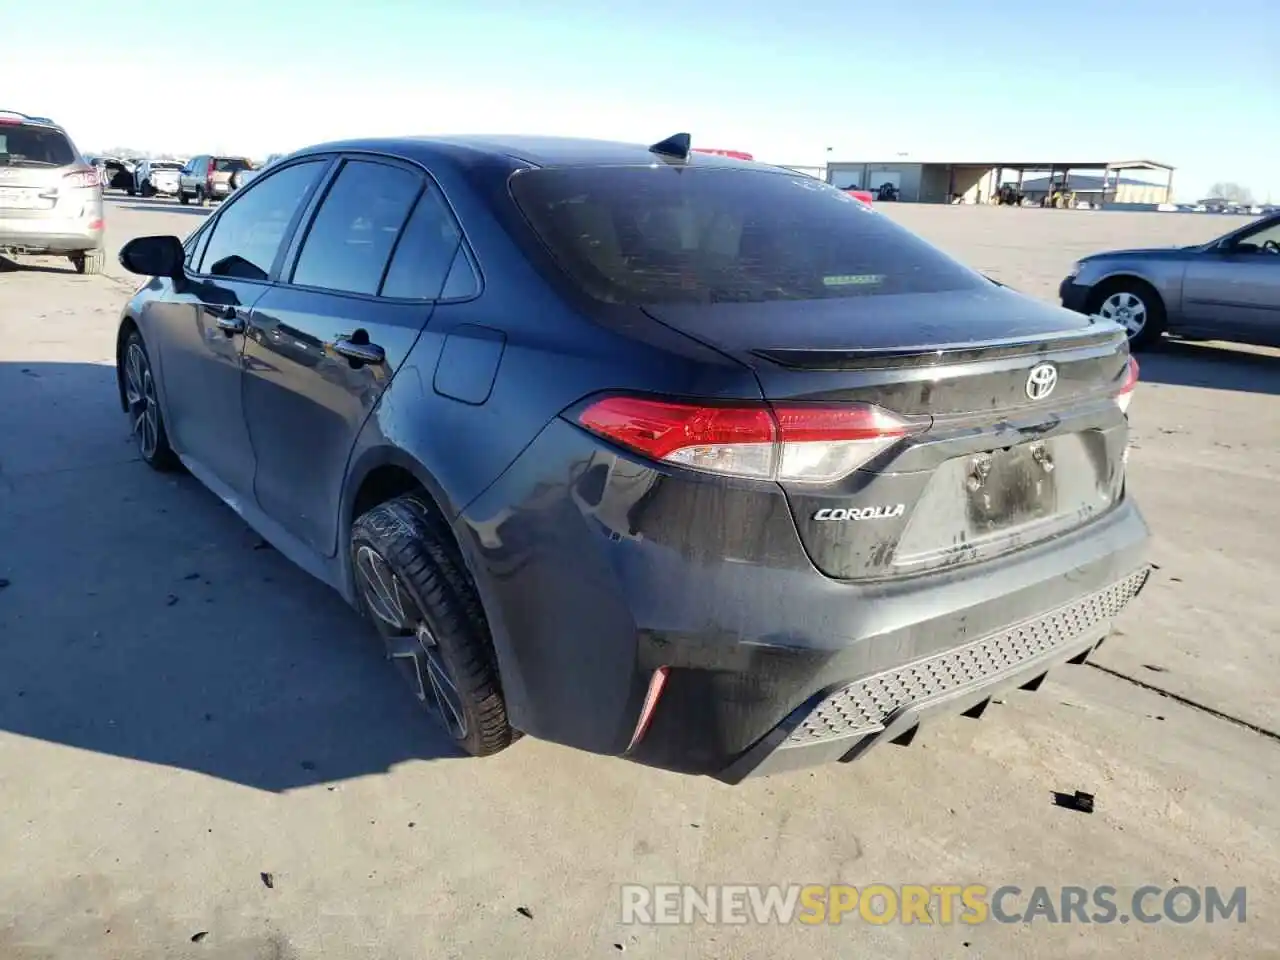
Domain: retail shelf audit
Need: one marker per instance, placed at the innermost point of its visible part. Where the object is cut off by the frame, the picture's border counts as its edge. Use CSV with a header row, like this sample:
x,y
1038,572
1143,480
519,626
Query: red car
x,y
736,154
865,196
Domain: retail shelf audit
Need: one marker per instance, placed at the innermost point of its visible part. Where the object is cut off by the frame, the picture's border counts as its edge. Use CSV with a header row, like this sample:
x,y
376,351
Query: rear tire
x,y
200,197
414,587
183,198
148,191
90,262
1136,305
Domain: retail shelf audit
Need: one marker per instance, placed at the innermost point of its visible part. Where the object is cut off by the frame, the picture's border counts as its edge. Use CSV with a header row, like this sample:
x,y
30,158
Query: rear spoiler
x,y
1105,340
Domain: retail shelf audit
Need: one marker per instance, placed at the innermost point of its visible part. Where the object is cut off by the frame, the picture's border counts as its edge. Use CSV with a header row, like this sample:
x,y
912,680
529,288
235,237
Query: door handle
x,y
359,352
229,320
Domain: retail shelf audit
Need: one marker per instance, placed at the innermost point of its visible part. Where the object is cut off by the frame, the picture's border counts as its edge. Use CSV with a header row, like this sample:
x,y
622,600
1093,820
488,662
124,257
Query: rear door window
x,y
247,235
355,229
674,234
425,253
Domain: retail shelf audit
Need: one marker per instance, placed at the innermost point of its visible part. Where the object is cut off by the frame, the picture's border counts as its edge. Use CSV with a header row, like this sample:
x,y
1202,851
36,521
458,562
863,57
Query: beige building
x,y
1108,190
948,182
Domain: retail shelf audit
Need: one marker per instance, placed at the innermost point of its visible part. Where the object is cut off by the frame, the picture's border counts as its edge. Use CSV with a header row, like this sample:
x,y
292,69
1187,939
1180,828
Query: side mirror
x,y
153,256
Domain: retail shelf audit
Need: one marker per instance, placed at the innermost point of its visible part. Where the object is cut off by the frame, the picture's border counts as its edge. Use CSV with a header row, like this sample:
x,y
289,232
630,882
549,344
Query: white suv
x,y
50,197
158,176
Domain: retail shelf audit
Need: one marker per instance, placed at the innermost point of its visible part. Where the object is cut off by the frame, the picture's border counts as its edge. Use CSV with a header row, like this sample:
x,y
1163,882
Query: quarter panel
x,y
1164,275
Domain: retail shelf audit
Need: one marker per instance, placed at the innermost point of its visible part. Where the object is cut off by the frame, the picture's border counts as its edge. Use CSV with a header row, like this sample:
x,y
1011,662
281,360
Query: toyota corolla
x,y
652,453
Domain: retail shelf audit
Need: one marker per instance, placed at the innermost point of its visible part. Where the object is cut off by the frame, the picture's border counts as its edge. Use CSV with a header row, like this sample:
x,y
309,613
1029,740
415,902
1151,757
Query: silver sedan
x,y
1227,289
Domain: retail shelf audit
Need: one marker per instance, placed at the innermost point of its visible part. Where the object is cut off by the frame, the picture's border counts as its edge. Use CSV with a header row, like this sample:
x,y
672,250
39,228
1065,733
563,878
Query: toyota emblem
x,y
1041,381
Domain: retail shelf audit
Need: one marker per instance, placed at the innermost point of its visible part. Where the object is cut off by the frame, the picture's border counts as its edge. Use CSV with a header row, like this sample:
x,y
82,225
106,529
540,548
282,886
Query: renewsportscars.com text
x,y
970,904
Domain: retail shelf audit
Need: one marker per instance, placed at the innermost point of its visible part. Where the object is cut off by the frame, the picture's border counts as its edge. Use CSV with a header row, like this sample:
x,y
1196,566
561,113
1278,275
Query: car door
x,y
325,342
198,324
1234,289
188,182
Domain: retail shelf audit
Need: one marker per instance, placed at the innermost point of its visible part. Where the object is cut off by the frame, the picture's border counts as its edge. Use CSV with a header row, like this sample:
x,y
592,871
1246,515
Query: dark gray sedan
x,y
1226,289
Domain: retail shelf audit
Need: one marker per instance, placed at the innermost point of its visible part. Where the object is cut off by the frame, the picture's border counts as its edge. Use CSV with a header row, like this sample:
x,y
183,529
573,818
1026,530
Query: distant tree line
x,y
1232,192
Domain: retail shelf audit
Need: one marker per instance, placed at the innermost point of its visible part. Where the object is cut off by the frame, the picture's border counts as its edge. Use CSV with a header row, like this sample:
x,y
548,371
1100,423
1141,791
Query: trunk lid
x,y
1002,464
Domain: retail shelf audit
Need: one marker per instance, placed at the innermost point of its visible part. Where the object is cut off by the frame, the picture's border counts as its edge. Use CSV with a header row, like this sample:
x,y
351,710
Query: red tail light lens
x,y
1130,384
792,442
208,176
80,179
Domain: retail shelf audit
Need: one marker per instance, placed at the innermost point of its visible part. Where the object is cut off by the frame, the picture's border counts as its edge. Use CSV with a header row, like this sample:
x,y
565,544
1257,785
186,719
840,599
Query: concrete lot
x,y
182,712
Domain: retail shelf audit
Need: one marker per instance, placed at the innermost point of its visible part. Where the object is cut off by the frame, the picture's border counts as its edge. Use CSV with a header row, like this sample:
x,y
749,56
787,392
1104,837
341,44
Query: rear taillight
x,y
208,176
1129,385
80,179
791,442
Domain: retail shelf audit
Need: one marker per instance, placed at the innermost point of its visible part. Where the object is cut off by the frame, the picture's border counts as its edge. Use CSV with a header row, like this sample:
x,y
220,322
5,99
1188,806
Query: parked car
x,y
50,198
609,458
158,177
208,177
116,173
1226,289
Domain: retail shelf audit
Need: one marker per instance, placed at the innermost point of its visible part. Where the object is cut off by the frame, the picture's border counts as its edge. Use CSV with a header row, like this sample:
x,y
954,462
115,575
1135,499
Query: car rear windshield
x,y
230,164
30,146
671,234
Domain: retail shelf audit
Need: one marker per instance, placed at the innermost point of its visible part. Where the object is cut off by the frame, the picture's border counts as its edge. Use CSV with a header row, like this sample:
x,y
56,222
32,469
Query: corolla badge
x,y
1041,381
861,513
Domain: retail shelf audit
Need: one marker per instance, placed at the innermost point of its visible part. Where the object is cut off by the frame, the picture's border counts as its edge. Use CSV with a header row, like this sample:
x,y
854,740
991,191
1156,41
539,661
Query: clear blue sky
x,y
1193,84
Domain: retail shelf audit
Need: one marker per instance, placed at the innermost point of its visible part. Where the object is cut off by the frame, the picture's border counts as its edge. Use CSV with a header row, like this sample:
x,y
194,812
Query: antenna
x,y
676,146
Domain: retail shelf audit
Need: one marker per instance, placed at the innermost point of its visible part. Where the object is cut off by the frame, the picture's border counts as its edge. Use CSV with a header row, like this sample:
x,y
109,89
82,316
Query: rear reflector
x,y
1129,385
792,442
657,683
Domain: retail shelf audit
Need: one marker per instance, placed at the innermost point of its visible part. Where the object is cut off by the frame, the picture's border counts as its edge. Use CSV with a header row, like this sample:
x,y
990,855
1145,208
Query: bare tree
x,y
1231,191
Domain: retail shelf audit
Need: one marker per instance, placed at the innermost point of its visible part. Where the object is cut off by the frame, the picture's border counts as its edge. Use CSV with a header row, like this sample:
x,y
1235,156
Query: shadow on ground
x,y
158,205
140,617
169,208
1218,366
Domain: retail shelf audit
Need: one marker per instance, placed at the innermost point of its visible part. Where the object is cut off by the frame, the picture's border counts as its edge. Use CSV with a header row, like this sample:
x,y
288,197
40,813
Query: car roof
x,y
533,150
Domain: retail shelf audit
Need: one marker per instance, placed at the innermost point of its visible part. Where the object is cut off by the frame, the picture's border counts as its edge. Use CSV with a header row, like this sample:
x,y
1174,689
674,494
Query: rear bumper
x,y
48,235
596,570
890,706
